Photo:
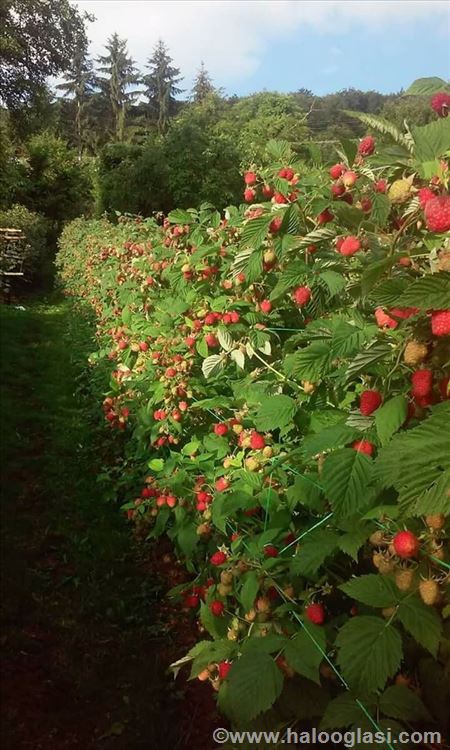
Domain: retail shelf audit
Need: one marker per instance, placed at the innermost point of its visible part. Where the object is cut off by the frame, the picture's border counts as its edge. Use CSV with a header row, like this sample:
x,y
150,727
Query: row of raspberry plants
x,y
279,377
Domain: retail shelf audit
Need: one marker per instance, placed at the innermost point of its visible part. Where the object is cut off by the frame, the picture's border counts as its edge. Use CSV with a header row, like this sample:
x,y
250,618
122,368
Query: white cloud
x,y
233,36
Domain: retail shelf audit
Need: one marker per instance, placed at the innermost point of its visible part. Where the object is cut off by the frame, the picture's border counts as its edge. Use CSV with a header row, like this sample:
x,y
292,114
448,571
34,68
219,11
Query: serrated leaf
x,y
212,365
254,683
225,339
303,654
422,622
373,589
335,436
305,491
365,359
352,541
311,363
275,412
202,348
346,476
249,590
316,236
215,626
179,216
427,87
255,231
334,281
369,652
238,357
156,464
388,292
390,416
342,712
431,141
381,208
374,272
314,550
399,702
383,126
288,279
429,292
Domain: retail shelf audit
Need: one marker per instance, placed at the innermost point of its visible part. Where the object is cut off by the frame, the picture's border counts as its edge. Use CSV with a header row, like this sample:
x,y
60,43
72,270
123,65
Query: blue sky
x,y
284,45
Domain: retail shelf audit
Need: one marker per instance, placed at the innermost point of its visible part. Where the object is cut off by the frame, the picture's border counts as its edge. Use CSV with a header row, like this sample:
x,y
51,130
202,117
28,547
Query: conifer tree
x,y
79,81
161,85
202,85
121,74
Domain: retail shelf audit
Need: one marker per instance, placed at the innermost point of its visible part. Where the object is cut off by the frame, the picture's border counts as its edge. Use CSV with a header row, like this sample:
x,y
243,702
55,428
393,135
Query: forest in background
x,y
111,137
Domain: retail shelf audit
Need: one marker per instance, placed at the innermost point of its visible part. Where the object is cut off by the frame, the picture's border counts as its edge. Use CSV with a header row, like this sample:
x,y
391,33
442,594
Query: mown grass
x,y
78,608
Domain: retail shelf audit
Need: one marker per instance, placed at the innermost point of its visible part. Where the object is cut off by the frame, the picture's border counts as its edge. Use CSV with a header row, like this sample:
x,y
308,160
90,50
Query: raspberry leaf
x,y
238,696
346,476
390,417
303,654
275,412
399,702
342,712
422,622
373,590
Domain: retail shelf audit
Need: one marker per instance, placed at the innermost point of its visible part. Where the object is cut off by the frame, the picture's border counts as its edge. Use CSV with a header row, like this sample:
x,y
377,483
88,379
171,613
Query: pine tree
x,y
121,73
79,81
202,85
161,85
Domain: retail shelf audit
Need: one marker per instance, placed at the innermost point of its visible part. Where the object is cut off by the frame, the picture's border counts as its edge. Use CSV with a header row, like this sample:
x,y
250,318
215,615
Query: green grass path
x,y
81,654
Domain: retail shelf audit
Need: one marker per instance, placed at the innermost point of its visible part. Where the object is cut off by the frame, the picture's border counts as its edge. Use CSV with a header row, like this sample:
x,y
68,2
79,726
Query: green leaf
x,y
290,278
268,644
342,712
215,626
349,216
316,236
352,541
156,464
334,281
275,412
369,652
225,339
202,348
364,361
311,363
212,365
422,622
431,141
305,491
335,436
381,208
249,590
187,539
390,416
427,87
346,339
399,702
429,292
374,272
303,654
254,683
314,550
382,126
373,590
255,231
179,216
346,476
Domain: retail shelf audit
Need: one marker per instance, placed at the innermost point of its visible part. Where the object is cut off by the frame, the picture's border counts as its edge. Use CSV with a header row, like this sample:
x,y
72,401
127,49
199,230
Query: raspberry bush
x,y
279,380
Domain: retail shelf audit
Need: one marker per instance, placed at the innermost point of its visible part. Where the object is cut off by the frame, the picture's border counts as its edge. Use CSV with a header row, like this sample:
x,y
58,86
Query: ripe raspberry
x,y
437,213
275,224
324,217
429,591
336,171
257,441
212,340
403,312
220,429
363,446
415,353
217,608
222,484
406,544
234,315
440,103
369,402
302,295
349,246
366,146
218,558
424,195
366,204
223,668
267,191
315,613
440,322
270,550
265,306
422,382
349,178
249,178
191,601
380,186
280,198
286,173
384,320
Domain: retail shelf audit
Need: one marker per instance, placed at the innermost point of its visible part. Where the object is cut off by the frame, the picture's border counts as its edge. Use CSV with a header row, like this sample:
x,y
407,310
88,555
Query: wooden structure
x,y
13,253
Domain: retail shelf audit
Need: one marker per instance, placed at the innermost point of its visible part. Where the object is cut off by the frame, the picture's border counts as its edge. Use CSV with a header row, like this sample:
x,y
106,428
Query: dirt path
x,y
82,664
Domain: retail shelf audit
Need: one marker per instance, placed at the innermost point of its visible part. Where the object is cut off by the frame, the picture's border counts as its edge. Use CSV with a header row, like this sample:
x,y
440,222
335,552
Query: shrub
x,y
35,229
280,376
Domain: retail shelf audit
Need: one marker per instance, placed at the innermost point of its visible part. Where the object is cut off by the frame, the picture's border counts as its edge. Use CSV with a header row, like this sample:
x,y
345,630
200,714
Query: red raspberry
x,y
191,601
265,306
366,146
257,441
249,195
363,446
324,217
315,613
349,178
425,195
234,315
444,389
404,312
210,319
302,295
222,484
440,103
275,224
349,246
286,173
383,320
267,191
336,171
217,608
380,186
422,382
221,428
212,340
366,204
218,558
406,544
249,178
440,322
270,550
369,402
437,213
223,668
